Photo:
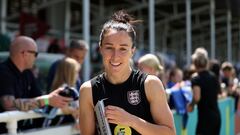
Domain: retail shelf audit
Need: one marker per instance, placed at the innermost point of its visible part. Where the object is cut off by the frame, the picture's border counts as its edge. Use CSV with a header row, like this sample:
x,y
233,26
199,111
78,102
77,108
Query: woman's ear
x,y
133,50
100,49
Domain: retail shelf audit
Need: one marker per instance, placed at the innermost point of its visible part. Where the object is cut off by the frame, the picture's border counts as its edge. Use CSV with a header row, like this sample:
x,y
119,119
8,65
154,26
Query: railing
x,y
12,117
226,108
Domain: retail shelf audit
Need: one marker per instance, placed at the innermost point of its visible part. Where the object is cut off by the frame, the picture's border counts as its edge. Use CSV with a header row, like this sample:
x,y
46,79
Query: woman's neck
x,y
118,78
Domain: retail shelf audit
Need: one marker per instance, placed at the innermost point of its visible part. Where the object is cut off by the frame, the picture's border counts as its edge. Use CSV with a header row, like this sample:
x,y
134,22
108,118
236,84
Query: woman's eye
x,y
123,49
109,48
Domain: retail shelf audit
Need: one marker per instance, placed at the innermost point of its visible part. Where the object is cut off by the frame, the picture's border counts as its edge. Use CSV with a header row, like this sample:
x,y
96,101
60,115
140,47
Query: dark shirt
x,y
209,119
225,80
16,83
129,95
51,75
235,95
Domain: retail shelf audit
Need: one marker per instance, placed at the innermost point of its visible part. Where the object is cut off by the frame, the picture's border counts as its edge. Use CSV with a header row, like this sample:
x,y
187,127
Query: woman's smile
x,y
115,64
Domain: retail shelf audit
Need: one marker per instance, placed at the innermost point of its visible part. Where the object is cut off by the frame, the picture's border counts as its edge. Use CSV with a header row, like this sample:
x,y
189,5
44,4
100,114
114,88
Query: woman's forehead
x,y
110,32
117,36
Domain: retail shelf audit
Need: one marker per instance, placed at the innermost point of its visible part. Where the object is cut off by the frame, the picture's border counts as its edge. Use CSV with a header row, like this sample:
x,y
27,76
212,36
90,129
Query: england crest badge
x,y
134,97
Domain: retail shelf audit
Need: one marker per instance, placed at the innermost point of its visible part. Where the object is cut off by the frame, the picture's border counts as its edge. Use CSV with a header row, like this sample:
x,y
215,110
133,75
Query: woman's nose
x,y
115,54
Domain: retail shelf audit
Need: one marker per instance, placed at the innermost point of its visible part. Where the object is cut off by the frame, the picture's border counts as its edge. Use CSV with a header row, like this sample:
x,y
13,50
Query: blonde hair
x,y
201,51
227,66
200,58
66,73
151,60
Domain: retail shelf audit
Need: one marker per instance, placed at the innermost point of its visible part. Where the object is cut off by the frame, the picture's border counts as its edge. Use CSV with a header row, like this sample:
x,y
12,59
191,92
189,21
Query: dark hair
x,y
188,72
173,72
78,44
214,66
227,66
120,21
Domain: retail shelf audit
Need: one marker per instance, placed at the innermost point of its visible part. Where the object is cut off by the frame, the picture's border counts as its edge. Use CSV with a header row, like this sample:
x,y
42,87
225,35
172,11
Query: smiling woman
x,y
116,50
135,102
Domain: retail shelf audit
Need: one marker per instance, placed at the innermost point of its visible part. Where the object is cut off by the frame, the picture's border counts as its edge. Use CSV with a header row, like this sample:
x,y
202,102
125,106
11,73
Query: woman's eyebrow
x,y
108,43
124,45
111,44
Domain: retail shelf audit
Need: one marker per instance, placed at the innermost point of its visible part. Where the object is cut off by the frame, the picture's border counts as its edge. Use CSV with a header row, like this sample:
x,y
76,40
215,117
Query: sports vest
x,y
129,95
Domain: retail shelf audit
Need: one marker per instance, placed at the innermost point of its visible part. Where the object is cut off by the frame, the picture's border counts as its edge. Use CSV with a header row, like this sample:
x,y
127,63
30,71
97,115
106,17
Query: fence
x,y
12,117
226,108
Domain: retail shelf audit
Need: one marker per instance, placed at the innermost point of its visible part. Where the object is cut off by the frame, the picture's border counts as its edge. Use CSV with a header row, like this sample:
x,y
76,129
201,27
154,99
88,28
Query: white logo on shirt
x,y
134,97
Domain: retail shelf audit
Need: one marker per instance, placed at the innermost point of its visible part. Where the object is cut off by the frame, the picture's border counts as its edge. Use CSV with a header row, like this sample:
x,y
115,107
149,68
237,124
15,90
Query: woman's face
x,y
178,76
116,50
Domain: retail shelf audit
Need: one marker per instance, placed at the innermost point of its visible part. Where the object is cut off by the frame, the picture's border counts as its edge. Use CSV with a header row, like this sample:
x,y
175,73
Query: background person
x,y
18,89
205,88
175,76
134,99
230,82
180,93
67,74
77,50
150,64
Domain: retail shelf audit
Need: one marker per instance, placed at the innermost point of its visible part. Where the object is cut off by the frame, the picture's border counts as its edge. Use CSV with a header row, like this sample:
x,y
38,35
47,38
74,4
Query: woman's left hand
x,y
118,115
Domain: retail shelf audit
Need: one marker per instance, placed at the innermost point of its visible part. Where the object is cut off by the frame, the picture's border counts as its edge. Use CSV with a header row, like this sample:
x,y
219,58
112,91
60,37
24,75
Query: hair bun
x,y
122,16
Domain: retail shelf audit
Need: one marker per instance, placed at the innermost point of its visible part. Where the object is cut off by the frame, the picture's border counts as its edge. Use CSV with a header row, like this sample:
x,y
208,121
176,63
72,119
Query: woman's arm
x,y
196,90
86,111
159,108
160,111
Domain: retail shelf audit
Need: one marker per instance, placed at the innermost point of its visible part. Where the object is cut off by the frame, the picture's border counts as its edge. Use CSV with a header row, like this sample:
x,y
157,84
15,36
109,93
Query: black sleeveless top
x,y
129,95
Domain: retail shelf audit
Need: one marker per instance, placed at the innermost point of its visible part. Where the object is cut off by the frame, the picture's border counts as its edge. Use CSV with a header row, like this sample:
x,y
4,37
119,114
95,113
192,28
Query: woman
x,y
150,64
230,82
135,102
66,75
175,76
205,87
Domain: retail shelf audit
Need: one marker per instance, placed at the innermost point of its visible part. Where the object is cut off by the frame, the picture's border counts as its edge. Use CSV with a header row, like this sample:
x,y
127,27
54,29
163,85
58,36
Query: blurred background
x,y
171,29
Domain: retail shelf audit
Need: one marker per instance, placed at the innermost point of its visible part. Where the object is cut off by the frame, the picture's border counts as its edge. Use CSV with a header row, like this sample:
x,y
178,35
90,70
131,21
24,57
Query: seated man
x,y
18,89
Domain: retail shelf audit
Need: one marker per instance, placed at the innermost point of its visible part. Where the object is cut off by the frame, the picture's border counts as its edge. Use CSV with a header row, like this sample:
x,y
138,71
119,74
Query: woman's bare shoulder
x,y
86,88
152,79
153,87
86,94
86,85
